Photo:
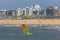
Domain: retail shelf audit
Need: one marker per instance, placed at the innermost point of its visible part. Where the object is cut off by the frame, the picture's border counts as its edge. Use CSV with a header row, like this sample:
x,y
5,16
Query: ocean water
x,y
15,33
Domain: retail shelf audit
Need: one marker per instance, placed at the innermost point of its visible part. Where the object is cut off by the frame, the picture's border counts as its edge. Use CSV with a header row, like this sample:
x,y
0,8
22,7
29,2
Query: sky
x,y
14,4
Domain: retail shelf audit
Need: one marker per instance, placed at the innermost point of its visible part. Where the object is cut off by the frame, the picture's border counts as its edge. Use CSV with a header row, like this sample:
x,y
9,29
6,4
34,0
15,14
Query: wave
x,y
10,25
53,27
7,34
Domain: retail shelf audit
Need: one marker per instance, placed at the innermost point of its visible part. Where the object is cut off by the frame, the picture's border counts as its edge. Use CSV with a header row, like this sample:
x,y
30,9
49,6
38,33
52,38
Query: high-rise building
x,y
36,10
27,12
19,12
4,13
49,11
23,12
56,13
44,13
12,13
52,11
37,7
1,13
31,12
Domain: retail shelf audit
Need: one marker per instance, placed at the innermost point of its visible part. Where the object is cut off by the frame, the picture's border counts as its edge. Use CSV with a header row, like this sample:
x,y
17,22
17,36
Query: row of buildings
x,y
31,12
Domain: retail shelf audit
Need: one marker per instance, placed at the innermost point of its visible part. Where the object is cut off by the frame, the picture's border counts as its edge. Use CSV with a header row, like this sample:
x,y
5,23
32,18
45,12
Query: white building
x,y
36,10
4,13
31,11
37,7
23,12
19,12
27,12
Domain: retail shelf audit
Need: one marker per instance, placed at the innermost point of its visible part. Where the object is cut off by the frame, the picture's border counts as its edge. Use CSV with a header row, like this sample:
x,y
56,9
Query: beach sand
x,y
31,21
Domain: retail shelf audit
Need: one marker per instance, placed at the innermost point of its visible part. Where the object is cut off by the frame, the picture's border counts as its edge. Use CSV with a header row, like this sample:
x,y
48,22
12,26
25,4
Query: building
x,y
53,11
30,12
4,13
19,12
12,13
1,14
49,11
27,12
37,10
42,13
56,13
34,12
23,13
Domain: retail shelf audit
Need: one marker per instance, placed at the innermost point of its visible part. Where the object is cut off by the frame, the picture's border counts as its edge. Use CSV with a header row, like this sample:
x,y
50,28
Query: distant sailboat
x,y
25,30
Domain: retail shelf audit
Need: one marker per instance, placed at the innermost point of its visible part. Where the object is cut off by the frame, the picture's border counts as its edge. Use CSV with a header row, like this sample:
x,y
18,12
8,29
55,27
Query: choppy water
x,y
15,33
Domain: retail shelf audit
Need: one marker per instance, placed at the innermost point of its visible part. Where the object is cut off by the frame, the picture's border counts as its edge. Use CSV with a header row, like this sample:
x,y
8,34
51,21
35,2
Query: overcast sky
x,y
14,4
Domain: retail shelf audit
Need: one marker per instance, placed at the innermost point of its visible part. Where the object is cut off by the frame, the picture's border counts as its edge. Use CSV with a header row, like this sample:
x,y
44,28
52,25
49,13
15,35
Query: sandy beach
x,y
31,21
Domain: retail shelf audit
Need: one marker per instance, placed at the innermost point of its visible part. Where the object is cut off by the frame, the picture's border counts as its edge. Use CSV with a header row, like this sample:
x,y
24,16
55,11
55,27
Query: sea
x,y
8,32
